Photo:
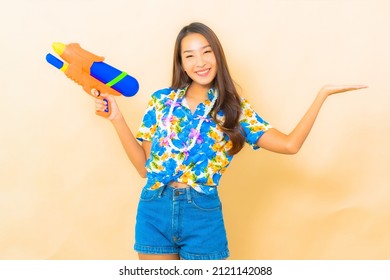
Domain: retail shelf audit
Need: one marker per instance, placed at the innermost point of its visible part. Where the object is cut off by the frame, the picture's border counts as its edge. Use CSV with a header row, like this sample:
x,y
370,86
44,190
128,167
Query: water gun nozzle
x,y
59,48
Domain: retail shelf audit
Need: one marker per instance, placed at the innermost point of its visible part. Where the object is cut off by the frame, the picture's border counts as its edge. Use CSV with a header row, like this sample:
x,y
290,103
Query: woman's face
x,y
198,59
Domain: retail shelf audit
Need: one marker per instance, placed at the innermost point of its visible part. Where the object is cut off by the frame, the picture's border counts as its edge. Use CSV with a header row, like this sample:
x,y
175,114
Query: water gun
x,y
89,71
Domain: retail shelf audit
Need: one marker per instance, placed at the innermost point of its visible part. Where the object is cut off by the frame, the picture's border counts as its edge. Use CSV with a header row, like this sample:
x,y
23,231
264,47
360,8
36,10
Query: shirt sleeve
x,y
149,122
253,125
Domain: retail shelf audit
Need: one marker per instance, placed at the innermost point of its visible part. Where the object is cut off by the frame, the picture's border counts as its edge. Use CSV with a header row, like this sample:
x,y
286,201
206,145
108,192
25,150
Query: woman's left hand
x,y
332,89
275,141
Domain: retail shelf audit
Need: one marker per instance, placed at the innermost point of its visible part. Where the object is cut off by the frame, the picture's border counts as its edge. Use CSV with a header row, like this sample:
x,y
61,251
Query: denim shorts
x,y
181,221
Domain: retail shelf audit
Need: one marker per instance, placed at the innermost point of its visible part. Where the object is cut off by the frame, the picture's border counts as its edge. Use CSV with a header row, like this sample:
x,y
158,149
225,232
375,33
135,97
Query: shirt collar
x,y
210,93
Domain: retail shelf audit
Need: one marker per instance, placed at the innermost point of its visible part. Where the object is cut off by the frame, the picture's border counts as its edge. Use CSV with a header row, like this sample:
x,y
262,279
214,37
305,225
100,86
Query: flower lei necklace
x,y
194,134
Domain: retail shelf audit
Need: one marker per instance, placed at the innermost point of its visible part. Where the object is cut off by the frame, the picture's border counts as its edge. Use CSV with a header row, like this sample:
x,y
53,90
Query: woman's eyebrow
x,y
201,48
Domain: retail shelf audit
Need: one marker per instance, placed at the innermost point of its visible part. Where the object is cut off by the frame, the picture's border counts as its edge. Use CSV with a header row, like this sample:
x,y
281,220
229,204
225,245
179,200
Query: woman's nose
x,y
200,61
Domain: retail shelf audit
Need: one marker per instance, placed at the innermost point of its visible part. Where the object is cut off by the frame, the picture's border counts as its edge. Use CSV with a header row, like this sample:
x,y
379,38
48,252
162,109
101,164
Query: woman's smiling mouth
x,y
203,73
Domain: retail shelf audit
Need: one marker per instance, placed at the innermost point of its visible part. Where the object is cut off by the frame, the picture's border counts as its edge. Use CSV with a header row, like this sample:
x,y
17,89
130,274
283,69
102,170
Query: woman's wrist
x,y
323,94
118,118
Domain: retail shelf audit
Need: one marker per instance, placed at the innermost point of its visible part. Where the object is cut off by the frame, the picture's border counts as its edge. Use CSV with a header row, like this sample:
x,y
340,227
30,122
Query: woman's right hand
x,y
101,105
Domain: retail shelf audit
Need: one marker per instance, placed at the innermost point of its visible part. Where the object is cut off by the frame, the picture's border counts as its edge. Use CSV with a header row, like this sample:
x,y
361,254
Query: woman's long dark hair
x,y
228,99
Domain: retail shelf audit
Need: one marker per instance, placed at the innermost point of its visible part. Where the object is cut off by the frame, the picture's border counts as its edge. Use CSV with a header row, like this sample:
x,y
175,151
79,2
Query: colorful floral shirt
x,y
190,147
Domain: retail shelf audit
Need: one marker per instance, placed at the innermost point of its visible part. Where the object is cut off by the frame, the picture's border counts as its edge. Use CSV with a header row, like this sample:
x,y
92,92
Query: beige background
x,y
68,191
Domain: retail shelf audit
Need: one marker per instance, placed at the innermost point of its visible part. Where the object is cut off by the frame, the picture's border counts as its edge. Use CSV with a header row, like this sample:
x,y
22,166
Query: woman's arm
x,y
137,153
276,141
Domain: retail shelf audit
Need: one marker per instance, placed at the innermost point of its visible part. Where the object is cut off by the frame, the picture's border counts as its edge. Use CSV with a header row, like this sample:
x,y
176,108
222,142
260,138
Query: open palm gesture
x,y
332,89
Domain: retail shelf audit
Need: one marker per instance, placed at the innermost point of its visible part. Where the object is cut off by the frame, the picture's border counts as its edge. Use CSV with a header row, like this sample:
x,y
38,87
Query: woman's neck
x,y
197,92
195,95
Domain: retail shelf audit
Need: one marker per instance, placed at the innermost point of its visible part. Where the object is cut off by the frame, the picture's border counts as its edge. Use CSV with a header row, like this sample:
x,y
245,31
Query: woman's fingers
x,y
95,92
332,89
101,105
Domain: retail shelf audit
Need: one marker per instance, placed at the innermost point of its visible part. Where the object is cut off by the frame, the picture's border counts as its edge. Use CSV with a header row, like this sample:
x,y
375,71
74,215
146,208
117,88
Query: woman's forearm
x,y
299,134
134,150
291,143
278,142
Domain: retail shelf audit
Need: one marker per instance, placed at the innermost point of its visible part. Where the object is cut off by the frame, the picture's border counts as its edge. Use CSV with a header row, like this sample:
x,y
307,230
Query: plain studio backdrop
x,y
68,191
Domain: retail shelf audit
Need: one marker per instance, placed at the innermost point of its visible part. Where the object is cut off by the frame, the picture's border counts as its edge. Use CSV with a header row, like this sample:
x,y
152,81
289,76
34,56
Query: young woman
x,y
189,134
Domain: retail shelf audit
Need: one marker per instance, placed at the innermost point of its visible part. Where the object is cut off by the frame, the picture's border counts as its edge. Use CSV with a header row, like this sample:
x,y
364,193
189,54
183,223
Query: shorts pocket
x,y
206,202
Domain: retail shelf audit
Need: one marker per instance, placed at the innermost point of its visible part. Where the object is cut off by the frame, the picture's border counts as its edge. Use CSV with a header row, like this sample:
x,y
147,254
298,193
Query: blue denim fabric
x,y
181,221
